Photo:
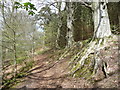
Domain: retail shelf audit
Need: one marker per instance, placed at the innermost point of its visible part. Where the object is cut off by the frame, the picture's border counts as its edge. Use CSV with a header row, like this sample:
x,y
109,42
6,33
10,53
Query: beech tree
x,y
70,19
101,19
101,30
61,41
60,29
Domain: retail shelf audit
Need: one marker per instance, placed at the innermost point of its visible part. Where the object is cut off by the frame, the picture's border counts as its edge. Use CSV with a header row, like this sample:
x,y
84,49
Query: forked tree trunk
x,y
101,19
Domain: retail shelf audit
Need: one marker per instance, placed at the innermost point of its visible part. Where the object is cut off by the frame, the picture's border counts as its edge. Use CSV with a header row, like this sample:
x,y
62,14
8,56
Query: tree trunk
x,y
33,45
70,27
101,20
15,55
119,22
1,63
59,25
62,26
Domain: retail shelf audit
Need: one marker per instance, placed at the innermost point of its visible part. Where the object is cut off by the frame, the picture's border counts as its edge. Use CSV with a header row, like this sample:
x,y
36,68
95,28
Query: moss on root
x,y
86,70
83,64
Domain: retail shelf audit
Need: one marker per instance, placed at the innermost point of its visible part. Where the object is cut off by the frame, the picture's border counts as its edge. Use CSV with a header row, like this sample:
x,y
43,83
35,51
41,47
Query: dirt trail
x,y
49,74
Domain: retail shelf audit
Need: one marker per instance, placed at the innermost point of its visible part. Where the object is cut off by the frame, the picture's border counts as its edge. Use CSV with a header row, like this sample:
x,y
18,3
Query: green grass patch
x,y
21,59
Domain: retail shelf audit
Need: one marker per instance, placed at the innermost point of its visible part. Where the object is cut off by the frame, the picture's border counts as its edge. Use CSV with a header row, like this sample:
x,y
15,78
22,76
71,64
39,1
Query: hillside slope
x,y
49,73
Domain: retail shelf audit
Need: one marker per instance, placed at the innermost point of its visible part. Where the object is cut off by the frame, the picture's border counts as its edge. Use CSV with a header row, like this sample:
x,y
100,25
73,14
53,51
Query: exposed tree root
x,y
86,62
82,57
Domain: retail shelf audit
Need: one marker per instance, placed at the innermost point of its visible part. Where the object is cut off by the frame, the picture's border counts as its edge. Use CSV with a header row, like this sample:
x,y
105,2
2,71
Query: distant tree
x,y
18,32
113,11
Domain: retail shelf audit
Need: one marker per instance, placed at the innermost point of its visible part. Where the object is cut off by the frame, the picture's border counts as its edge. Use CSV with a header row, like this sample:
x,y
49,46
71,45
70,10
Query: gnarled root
x,y
86,63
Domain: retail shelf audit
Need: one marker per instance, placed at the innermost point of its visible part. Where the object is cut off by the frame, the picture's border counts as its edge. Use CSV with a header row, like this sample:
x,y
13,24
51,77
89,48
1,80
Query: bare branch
x,y
5,19
6,35
87,5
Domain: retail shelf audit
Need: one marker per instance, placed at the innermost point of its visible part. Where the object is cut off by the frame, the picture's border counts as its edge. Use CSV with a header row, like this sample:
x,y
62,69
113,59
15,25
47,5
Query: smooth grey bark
x,y
70,27
101,19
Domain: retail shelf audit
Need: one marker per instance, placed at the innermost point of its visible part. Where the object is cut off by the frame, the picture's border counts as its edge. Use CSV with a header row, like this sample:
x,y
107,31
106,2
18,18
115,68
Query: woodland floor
x,y
46,73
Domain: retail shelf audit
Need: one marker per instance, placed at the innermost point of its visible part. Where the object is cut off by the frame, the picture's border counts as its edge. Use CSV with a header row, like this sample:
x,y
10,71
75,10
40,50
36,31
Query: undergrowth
x,y
8,83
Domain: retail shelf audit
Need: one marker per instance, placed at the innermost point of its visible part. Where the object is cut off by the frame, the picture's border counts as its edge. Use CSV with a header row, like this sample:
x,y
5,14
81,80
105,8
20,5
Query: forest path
x,y
47,73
